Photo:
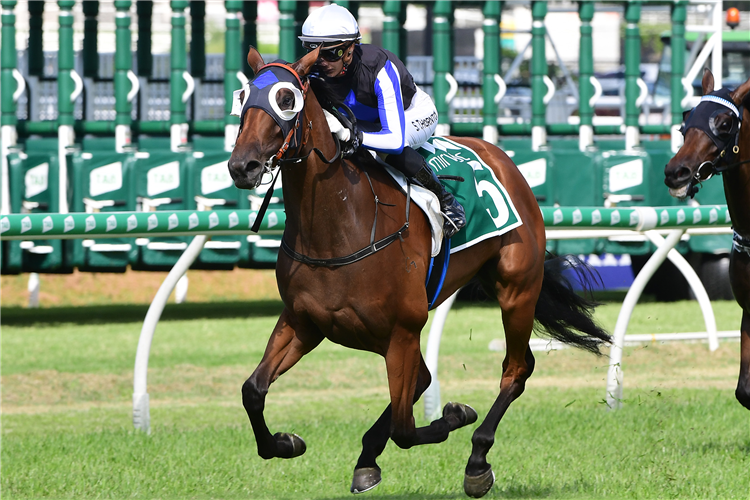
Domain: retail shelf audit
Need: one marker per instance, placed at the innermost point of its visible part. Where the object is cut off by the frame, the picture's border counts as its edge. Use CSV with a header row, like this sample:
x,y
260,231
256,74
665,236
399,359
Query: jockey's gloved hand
x,y
337,128
346,131
351,147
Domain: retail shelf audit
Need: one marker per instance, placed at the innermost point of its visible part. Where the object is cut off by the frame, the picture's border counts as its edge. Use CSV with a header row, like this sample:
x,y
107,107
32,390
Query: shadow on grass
x,y
511,492
403,496
722,448
85,315
472,295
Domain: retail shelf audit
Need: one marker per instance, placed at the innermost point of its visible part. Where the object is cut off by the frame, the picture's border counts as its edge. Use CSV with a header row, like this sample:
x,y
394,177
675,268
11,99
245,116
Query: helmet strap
x,y
346,65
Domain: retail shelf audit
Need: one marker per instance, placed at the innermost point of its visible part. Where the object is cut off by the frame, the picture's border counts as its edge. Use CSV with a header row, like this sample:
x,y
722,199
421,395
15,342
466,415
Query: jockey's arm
x,y
390,138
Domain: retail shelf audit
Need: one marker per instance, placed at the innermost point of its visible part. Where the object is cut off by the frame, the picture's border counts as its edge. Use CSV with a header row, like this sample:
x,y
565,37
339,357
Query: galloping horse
x,y
716,143
379,303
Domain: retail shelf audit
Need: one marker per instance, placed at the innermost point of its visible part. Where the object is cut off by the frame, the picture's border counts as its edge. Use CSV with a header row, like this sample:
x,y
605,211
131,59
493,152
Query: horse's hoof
x,y
465,413
289,445
365,479
478,486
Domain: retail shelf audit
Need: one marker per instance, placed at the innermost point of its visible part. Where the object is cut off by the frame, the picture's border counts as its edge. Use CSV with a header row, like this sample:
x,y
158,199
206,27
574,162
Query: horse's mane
x,y
328,101
324,93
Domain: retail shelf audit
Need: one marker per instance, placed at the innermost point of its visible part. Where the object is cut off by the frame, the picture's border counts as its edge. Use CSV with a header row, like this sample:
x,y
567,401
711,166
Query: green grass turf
x,y
67,431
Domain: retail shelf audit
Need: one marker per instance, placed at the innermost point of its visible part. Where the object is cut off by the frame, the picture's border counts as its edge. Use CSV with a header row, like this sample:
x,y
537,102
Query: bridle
x,y
728,144
295,134
723,160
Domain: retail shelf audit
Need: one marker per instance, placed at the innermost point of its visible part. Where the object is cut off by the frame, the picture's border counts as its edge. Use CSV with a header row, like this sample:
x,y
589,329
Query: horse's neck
x,y
737,183
323,202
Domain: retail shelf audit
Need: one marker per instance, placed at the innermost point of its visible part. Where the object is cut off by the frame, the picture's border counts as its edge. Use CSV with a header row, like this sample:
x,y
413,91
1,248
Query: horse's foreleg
x,y
367,472
743,383
517,368
288,343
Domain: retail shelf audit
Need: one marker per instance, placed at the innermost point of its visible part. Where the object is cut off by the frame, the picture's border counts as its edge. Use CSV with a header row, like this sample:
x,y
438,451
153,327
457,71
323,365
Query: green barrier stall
x,y
33,179
102,181
211,187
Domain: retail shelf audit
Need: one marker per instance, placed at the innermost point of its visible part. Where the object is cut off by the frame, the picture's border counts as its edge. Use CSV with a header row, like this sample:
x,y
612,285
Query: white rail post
x,y
432,394
698,289
614,373
141,417
33,288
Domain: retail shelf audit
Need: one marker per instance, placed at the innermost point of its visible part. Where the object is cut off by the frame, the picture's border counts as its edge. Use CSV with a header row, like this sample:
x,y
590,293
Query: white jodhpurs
x,y
421,119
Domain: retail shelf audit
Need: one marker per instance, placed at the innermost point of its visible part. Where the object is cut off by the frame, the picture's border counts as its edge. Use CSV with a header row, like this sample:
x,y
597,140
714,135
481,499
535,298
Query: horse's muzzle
x,y
245,174
677,177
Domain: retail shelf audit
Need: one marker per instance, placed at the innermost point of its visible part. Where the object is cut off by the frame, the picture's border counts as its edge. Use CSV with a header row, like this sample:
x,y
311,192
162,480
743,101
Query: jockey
x,y
376,86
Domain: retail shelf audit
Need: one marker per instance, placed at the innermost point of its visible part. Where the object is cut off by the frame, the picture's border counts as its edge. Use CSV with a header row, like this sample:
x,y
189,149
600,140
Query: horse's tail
x,y
561,312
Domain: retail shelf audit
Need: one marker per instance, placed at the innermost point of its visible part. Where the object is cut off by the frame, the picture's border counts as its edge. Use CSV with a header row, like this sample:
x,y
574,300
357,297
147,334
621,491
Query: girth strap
x,y
349,259
740,243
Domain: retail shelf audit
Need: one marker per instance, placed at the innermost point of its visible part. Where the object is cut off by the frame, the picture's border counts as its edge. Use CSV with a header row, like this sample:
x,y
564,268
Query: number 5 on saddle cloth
x,y
489,209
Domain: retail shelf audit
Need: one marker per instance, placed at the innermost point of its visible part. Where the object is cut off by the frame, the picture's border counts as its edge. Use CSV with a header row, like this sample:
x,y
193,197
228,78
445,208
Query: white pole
x,y
181,290
65,138
432,394
33,288
141,418
7,139
614,374
698,289
717,20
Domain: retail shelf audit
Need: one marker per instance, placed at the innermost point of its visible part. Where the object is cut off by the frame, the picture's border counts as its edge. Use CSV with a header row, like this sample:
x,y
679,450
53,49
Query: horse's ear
x,y
255,60
302,67
708,81
741,93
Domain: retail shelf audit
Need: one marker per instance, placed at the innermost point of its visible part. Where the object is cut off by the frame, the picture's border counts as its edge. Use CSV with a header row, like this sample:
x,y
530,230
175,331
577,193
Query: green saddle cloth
x,y
489,209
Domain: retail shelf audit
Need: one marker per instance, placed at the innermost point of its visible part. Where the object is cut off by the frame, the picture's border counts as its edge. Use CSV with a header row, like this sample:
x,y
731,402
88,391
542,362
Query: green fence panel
x,y
34,188
102,181
627,180
161,184
577,180
210,185
537,167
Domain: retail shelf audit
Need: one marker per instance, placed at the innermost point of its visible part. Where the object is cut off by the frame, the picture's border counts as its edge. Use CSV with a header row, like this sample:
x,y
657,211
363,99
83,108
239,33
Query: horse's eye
x,y
722,126
286,102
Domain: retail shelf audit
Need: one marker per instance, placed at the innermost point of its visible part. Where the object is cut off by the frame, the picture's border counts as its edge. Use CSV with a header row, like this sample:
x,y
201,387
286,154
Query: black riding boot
x,y
452,210
412,165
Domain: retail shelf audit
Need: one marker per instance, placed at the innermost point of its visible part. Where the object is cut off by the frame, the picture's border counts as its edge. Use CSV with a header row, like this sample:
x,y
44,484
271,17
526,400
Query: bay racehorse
x,y
335,209
716,143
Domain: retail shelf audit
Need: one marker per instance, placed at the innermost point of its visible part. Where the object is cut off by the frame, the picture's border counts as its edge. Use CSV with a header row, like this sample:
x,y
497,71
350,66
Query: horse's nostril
x,y
682,173
238,166
677,173
252,165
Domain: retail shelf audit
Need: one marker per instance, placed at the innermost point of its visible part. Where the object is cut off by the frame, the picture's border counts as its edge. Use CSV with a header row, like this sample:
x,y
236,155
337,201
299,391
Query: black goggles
x,y
331,54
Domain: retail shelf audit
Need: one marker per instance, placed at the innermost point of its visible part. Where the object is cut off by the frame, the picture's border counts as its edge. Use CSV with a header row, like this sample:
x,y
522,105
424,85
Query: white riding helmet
x,y
330,26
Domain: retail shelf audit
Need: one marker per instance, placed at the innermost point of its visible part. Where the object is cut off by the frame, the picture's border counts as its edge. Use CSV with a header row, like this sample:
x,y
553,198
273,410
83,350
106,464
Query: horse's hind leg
x,y
518,320
288,343
743,383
